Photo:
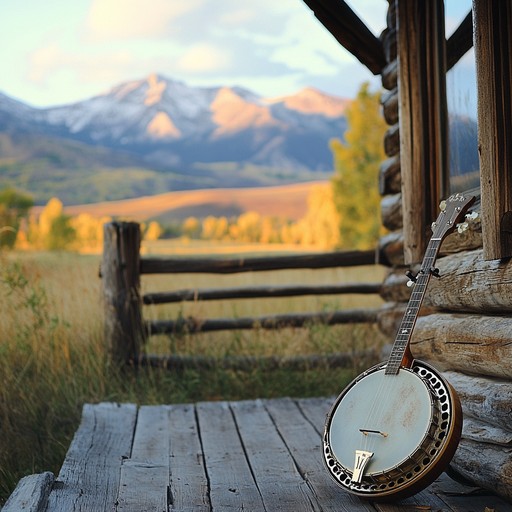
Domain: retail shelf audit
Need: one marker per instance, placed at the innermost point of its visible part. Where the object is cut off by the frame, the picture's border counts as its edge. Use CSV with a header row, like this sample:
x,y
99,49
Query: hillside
x,y
289,201
157,134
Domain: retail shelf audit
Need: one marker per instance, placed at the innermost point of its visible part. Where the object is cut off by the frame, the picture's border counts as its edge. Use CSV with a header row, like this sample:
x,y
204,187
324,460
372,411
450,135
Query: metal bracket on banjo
x,y
362,459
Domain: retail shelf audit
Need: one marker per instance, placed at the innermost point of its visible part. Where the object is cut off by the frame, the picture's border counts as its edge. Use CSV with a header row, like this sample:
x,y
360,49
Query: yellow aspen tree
x,y
357,161
321,222
154,231
191,227
51,211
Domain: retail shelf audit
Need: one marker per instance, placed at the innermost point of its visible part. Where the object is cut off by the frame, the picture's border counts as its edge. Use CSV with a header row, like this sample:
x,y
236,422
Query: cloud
x,y
204,57
48,61
272,47
120,19
43,61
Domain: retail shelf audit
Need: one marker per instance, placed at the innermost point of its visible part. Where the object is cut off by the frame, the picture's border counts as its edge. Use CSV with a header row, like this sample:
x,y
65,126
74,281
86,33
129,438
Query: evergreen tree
x,y
357,162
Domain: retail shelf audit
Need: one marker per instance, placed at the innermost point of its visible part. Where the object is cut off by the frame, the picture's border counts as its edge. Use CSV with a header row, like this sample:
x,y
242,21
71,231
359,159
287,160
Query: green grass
x,y
53,355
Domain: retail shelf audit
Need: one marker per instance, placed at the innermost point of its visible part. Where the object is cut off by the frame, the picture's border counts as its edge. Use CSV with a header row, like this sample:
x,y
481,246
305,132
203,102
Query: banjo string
x,y
376,411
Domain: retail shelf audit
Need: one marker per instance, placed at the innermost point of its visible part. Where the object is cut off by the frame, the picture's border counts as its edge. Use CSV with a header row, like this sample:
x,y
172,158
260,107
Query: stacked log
x,y
391,245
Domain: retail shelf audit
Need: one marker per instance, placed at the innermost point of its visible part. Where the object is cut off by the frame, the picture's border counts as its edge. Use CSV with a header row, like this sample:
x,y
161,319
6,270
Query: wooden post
x,y
423,119
493,38
120,270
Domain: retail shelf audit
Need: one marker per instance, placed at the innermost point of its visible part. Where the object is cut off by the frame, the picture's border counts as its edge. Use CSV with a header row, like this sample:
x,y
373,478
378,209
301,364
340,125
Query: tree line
x,y
344,214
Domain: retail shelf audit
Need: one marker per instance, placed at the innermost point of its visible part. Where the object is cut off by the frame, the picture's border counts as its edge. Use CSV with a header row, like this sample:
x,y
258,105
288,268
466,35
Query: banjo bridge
x,y
366,431
362,459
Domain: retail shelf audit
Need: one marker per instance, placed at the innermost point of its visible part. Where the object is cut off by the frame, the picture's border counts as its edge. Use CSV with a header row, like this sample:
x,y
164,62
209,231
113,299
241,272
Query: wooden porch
x,y
258,455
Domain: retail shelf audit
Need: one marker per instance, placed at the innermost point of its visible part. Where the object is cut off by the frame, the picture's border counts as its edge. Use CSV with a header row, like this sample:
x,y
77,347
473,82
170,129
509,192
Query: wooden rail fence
x,y
126,330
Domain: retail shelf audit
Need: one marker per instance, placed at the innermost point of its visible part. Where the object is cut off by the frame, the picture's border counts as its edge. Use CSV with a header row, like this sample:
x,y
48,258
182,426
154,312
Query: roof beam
x,y
341,21
459,42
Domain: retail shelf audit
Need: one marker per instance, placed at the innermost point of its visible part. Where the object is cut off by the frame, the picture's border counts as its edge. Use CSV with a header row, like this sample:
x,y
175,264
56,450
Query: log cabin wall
x,y
466,324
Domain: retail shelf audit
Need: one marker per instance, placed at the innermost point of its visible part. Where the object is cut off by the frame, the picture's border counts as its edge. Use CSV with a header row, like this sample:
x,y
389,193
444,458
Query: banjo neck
x,y
420,282
451,211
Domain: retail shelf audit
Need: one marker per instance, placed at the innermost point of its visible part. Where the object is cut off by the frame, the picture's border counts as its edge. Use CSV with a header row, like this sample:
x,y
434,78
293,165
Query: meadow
x,y
53,354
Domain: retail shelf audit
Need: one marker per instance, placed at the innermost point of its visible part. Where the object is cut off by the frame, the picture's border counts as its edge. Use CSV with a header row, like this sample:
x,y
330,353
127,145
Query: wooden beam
x,y
348,29
124,332
469,283
485,464
249,292
256,264
484,398
460,41
196,325
267,363
493,40
472,344
31,493
423,119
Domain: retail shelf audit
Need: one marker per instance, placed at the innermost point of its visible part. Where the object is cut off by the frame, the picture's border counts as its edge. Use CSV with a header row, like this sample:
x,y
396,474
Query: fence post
x,y
120,271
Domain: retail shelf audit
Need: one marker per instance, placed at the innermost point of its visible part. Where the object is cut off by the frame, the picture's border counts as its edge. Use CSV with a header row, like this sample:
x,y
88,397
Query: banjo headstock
x,y
452,211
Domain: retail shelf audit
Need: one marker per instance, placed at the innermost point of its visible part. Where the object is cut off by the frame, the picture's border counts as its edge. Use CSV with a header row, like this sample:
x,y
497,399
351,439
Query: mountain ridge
x,y
177,137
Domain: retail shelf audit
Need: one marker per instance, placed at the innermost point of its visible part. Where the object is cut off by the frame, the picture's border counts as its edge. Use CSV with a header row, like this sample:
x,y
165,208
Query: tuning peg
x,y
412,278
472,216
435,272
442,205
463,226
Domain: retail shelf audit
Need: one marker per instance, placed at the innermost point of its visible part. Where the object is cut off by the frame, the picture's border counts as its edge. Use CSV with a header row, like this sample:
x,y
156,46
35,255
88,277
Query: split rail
x,y
127,331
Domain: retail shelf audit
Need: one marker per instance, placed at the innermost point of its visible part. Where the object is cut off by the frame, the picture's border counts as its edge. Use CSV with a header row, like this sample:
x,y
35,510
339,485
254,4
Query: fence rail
x,y
122,267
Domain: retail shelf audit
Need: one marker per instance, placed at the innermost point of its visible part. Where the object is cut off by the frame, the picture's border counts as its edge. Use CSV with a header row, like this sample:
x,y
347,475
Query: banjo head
x,y
388,436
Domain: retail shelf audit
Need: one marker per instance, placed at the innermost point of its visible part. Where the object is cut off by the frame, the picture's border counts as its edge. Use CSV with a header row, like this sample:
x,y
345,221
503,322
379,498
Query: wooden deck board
x,y
258,455
280,483
145,475
188,489
89,477
232,484
304,443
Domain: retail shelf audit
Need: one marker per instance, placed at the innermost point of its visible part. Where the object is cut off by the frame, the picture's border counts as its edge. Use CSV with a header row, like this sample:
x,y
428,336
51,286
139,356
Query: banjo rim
x,y
370,488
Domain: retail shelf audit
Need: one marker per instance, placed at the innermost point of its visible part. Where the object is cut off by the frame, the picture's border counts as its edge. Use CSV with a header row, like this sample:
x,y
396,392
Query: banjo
x,y
394,429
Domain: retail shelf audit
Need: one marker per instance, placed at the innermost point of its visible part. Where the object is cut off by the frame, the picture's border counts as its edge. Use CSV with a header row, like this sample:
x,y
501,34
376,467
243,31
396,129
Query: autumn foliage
x,y
357,161
342,213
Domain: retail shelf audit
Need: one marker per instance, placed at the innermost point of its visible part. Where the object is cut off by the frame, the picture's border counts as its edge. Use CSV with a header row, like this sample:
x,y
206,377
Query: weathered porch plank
x,y
304,443
232,485
461,497
188,482
31,494
315,410
281,485
145,475
89,477
262,455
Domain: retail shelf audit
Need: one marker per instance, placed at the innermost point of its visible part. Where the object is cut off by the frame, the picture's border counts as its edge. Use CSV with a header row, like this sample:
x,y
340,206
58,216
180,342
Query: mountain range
x,y
156,135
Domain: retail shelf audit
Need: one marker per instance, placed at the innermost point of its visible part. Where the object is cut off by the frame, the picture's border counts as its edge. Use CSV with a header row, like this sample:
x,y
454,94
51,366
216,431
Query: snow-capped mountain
x,y
160,108
167,120
171,126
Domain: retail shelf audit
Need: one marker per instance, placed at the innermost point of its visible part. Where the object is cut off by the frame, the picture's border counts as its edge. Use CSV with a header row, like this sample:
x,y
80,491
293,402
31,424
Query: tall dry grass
x,y
53,356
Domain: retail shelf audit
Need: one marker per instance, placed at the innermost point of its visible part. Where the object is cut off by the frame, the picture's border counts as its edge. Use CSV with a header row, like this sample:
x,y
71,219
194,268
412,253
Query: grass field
x,y
53,354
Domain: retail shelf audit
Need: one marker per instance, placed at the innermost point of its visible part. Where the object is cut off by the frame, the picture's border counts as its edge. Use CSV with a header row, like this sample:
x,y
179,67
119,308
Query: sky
x,y
55,52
